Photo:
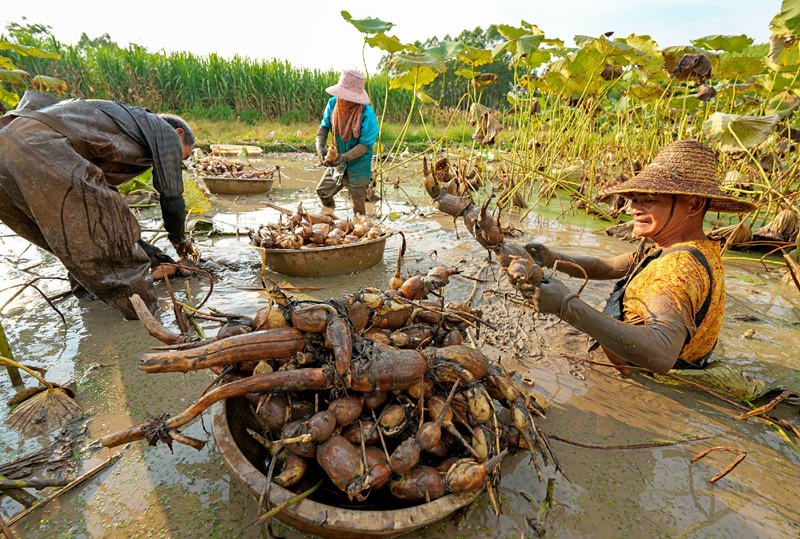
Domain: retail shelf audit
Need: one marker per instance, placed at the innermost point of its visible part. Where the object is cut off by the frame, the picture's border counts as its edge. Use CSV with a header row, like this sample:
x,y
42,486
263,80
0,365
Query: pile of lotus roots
x,y
372,392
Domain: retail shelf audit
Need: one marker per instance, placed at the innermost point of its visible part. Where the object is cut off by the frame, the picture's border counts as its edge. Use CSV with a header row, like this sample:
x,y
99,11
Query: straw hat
x,y
350,88
684,167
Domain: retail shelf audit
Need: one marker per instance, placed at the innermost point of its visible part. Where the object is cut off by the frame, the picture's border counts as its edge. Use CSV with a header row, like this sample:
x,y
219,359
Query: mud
x,y
639,492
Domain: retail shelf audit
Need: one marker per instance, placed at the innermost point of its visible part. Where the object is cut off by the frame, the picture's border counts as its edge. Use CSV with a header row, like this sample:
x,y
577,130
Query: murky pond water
x,y
605,493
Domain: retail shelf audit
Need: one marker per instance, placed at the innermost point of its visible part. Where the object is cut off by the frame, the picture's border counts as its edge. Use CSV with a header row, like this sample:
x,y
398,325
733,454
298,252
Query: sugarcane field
x,y
509,270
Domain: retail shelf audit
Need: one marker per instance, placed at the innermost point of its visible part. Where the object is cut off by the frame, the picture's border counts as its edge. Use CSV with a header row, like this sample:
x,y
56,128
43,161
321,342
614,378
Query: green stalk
x,y
5,350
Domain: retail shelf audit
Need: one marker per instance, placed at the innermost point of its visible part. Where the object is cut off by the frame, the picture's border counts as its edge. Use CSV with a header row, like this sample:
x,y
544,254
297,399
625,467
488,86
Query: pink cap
x,y
350,88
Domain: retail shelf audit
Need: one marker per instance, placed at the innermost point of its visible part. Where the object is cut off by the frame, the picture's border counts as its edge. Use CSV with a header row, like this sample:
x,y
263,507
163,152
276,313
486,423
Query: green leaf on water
x,y
725,129
368,25
723,43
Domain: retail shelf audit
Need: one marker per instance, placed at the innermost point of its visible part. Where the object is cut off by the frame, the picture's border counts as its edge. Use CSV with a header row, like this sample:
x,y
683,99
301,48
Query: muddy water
x,y
657,491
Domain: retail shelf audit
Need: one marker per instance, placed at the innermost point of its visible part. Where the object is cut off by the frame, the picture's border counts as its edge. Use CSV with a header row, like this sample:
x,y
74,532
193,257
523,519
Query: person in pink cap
x,y
354,125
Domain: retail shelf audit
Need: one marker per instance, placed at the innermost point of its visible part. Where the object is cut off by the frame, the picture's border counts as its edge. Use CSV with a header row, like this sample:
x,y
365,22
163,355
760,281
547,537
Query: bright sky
x,y
313,34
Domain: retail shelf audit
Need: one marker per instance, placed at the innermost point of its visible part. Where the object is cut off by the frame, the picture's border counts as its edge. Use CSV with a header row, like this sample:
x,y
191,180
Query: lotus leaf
x,y
742,383
790,13
684,102
432,57
739,67
723,43
577,75
33,52
8,99
5,63
196,200
776,82
368,25
705,92
646,44
467,73
783,104
476,57
532,28
14,77
581,40
425,98
389,44
511,32
725,129
786,59
484,79
536,58
417,77
49,84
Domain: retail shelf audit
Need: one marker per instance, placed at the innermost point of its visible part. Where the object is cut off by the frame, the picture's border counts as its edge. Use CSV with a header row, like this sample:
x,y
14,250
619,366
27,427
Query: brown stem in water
x,y
295,380
153,326
767,407
730,467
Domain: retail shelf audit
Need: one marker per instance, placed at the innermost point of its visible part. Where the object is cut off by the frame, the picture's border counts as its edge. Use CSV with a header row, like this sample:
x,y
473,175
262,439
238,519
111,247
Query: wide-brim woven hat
x,y
683,167
350,88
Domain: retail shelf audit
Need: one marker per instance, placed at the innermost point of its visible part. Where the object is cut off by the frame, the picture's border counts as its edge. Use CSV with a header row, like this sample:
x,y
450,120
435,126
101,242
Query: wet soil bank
x,y
606,493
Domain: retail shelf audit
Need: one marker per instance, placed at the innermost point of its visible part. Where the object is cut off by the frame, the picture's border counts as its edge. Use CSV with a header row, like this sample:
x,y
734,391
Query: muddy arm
x,y
655,346
596,268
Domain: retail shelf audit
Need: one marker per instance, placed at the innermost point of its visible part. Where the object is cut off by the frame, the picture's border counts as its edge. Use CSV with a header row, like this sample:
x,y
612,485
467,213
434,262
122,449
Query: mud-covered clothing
x,y
67,203
358,171
330,184
689,277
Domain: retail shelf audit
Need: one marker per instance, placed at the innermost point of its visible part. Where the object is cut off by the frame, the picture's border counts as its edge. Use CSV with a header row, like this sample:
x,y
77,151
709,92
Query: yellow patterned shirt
x,y
683,281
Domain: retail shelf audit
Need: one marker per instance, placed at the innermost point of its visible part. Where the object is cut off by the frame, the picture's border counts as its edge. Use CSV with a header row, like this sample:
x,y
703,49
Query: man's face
x,y
186,150
652,212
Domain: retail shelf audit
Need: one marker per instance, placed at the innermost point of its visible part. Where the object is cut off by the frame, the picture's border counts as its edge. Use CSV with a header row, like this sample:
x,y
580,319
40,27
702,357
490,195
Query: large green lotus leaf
x,y
673,54
445,50
476,57
528,44
511,32
49,84
467,73
389,44
8,99
645,92
645,43
576,75
790,13
433,57
776,82
14,77
196,200
686,103
368,25
416,78
723,43
750,130
783,104
786,60
5,63
619,52
739,67
581,40
730,91
33,52
536,58
532,28
555,42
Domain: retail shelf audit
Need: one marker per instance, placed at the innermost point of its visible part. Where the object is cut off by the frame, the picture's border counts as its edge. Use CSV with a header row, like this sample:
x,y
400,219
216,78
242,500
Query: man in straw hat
x,y
667,307
355,129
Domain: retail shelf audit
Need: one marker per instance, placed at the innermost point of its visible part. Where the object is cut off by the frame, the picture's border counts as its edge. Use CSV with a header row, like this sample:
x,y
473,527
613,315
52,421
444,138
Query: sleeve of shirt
x,y
167,174
326,116
679,288
369,127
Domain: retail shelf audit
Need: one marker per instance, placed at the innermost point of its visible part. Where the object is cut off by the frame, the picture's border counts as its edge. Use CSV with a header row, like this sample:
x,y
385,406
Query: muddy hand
x,y
540,254
187,250
548,296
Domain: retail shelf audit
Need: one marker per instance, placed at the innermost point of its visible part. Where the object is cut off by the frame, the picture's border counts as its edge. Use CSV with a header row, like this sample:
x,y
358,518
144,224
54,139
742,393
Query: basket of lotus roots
x,y
319,245
366,415
225,176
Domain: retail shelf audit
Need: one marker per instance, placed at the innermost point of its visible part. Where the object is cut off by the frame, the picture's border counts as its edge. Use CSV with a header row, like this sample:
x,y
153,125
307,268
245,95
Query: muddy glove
x,y
357,151
156,255
541,254
322,139
549,296
186,250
